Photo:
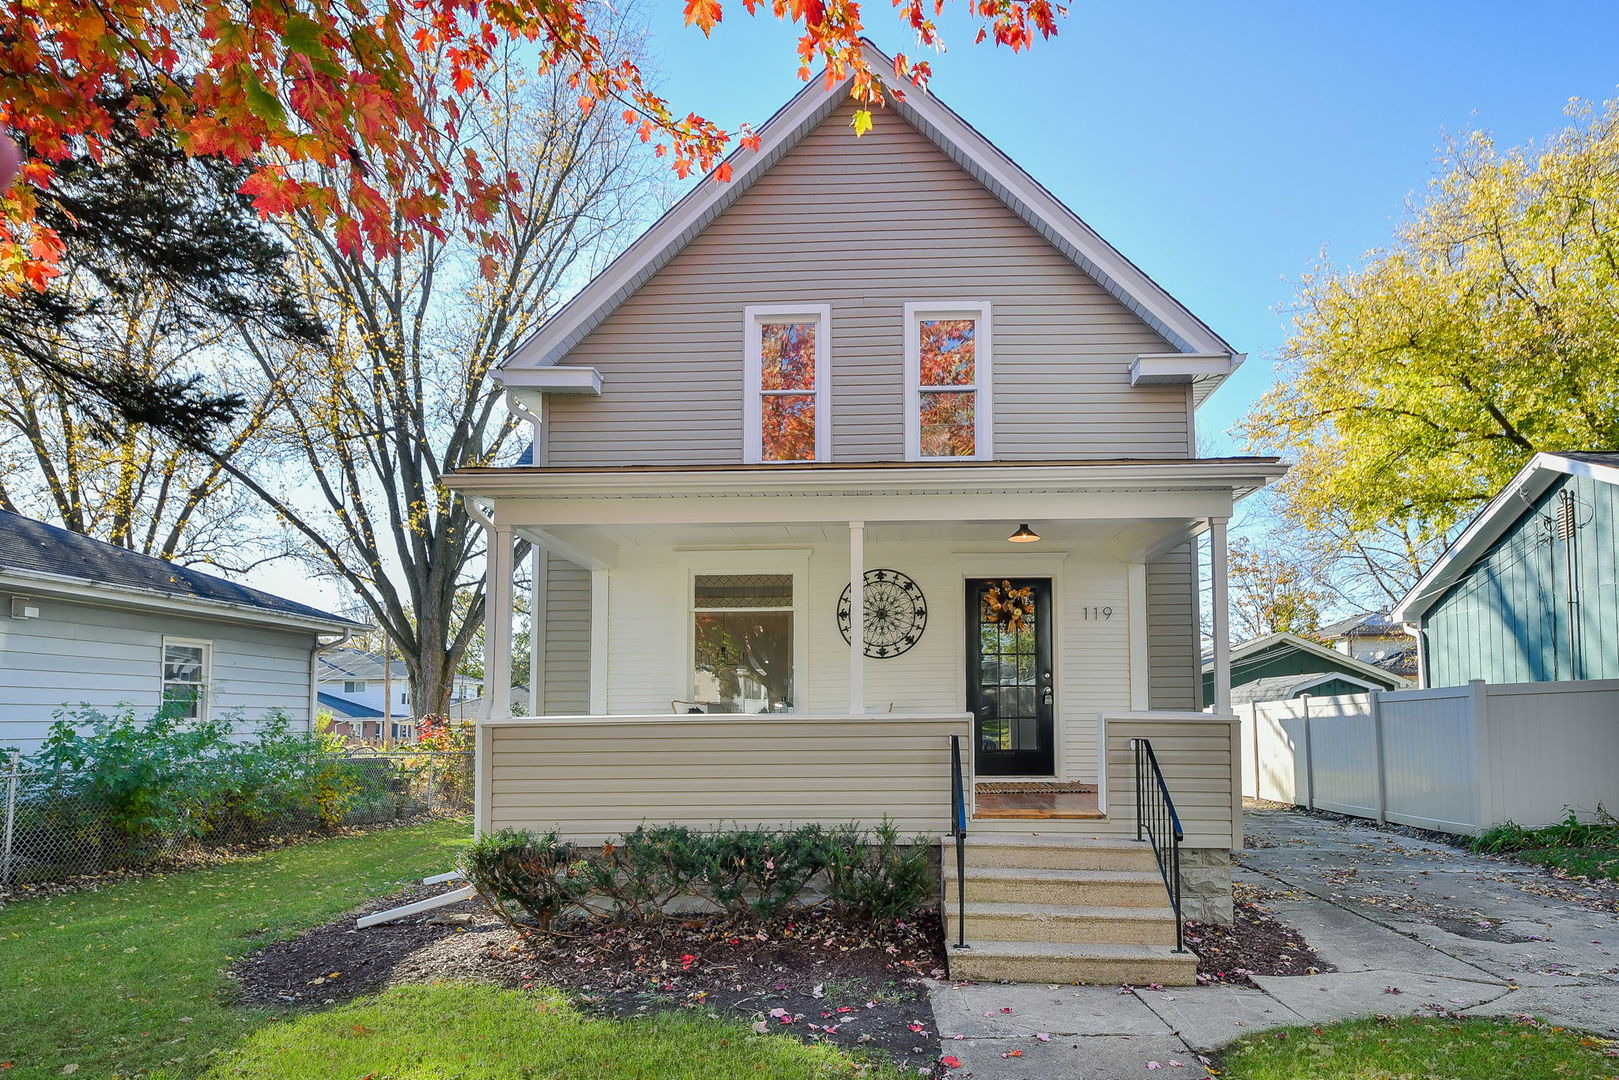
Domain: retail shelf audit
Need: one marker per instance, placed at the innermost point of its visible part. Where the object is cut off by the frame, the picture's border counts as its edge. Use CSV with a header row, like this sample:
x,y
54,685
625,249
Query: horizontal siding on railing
x,y
593,777
1198,756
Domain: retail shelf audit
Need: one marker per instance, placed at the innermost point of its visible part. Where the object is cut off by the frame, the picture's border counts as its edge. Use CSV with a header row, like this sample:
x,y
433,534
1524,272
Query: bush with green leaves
x,y
753,874
537,873
141,783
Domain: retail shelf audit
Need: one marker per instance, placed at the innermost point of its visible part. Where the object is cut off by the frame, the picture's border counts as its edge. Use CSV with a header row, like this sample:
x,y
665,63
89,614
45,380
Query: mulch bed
x,y
811,976
1255,944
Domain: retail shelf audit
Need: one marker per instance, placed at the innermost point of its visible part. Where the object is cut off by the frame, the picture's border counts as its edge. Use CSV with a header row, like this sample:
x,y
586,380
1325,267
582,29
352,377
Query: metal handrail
x,y
958,829
1157,821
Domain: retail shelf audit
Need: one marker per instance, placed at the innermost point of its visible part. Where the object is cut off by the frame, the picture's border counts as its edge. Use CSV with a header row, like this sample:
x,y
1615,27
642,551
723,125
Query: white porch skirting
x,y
591,777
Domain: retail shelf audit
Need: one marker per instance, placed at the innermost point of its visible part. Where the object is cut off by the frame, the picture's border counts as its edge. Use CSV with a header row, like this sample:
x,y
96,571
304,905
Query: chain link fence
x,y
57,824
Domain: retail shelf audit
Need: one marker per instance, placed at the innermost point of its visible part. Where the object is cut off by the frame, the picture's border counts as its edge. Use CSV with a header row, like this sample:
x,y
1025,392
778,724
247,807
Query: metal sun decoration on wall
x,y
895,613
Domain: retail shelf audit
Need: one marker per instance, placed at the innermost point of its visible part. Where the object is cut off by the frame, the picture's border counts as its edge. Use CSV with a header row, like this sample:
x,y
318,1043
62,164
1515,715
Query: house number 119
x,y
1092,613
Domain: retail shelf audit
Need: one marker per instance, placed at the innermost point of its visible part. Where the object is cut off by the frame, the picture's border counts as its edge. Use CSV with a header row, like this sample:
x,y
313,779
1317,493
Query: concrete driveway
x,y
1413,926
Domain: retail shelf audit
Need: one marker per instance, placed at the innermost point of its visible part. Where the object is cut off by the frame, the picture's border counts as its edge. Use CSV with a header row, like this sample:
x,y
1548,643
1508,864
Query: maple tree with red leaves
x,y
349,110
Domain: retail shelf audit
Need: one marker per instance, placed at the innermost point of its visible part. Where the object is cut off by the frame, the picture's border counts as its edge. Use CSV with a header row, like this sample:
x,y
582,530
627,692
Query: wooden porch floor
x,y
1058,801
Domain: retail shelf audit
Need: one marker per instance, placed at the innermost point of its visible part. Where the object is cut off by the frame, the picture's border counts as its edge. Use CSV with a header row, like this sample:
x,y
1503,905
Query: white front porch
x,y
1122,644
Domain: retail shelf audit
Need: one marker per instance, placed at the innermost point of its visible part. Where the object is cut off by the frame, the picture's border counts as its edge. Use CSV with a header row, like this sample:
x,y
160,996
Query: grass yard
x,y
483,1033
128,980
1589,849
1426,1048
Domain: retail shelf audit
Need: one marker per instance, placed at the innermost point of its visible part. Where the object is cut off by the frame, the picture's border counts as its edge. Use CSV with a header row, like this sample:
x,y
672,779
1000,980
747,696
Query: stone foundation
x,y
1206,885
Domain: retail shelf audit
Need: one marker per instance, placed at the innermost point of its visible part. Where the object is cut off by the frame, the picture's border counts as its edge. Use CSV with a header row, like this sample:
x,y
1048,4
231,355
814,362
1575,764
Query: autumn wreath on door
x,y
1008,608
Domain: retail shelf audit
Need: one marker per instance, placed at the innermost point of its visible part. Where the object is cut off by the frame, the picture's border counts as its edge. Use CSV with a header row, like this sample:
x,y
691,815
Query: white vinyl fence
x,y
1457,759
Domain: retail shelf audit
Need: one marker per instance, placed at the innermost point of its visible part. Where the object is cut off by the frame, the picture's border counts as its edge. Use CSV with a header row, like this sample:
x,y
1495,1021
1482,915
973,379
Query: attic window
x,y
785,413
947,381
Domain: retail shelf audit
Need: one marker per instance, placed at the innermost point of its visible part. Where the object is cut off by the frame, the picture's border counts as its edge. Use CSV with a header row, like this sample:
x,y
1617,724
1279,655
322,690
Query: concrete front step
x,y
1049,852
1061,888
1067,962
1075,924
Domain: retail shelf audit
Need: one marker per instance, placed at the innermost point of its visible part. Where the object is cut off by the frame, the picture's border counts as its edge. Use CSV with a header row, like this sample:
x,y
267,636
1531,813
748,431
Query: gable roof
x,y
47,555
1510,504
1021,193
1374,624
1343,662
1280,687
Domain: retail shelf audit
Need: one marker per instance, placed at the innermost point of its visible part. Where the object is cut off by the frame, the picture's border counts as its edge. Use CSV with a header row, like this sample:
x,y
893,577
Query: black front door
x,y
1009,676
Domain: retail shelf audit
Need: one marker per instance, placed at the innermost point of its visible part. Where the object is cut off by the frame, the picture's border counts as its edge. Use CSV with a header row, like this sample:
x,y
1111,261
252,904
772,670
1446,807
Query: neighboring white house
x,y
359,691
91,624
1374,638
893,360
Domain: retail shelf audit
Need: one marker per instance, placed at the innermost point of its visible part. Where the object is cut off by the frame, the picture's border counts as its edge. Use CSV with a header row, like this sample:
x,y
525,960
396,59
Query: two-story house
x,y
897,363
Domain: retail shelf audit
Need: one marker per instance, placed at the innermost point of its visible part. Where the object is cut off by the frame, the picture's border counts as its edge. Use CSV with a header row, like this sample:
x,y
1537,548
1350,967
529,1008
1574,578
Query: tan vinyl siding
x,y
566,653
592,777
866,225
1173,654
1199,756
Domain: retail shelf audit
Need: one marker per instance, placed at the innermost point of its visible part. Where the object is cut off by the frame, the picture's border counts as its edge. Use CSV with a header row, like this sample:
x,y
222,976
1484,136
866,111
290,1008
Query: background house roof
x,y
356,664
1510,504
1280,687
1374,624
30,547
1258,650
344,709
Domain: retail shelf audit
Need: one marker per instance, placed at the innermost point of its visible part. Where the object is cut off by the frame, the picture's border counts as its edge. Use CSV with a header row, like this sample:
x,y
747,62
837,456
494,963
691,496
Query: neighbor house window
x,y
742,642
786,375
353,687
947,381
185,678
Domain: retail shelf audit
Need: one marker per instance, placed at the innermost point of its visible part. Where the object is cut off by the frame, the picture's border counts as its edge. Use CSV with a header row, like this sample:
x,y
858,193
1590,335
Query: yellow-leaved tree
x,y
1416,385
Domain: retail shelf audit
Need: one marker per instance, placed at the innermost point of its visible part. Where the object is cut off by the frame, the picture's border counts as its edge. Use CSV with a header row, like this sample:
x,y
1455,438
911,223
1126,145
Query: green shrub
x,y
754,874
537,873
880,882
145,782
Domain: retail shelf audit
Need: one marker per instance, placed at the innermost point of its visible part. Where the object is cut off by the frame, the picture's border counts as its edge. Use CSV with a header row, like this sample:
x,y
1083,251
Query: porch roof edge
x,y
1238,474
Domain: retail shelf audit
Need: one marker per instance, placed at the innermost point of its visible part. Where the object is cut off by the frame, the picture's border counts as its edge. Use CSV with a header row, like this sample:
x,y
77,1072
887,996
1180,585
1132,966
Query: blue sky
x,y
1219,146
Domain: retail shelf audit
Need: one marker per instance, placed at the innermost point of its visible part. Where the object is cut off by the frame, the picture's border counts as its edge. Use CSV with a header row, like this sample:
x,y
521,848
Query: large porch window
x,y
742,642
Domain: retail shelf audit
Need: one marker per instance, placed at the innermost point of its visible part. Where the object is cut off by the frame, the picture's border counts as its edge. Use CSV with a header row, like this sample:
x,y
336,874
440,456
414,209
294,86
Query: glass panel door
x,y
1010,687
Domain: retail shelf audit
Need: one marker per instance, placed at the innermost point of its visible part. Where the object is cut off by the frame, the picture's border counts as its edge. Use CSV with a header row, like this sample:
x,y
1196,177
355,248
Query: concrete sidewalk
x,y
1412,927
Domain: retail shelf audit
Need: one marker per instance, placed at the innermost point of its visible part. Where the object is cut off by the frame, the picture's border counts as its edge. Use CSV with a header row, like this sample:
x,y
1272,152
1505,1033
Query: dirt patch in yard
x,y
812,976
1255,944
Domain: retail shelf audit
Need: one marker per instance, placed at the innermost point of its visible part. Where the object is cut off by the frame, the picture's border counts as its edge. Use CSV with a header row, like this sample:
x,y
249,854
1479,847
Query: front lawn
x,y
129,977
1421,1048
473,1032
129,980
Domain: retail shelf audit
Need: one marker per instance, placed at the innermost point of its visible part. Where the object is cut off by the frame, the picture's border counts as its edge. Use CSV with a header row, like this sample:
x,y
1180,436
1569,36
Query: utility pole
x,y
387,693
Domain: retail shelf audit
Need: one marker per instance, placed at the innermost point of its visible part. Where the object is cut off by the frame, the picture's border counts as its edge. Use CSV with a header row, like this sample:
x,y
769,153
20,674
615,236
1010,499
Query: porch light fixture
x,y
1024,535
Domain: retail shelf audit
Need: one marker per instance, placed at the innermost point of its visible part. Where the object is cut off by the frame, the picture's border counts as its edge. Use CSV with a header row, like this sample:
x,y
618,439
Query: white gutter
x,y
73,588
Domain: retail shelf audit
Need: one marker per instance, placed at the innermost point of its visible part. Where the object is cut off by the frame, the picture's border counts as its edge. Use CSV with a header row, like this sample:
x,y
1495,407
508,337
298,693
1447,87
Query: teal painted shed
x,y
1286,665
1530,590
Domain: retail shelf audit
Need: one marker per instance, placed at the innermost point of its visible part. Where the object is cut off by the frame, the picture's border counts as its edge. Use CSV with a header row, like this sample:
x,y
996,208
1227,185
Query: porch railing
x,y
958,829
1158,823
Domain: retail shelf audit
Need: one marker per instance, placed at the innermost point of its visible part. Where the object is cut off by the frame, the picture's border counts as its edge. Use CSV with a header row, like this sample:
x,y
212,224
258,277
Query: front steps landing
x,y
1062,909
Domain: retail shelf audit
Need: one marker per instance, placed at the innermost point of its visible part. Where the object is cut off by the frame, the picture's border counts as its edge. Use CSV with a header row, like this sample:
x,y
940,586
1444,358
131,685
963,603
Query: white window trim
x,y
753,316
207,648
983,368
794,561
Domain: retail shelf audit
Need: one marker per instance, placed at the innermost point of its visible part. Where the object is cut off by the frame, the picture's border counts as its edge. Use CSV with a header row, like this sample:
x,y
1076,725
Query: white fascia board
x,y
556,379
73,589
1498,516
1170,474
958,139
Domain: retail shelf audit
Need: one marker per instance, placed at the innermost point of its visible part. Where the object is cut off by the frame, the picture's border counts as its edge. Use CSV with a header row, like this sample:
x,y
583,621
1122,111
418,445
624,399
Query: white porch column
x,y
857,618
497,625
599,584
1220,617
